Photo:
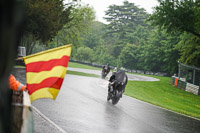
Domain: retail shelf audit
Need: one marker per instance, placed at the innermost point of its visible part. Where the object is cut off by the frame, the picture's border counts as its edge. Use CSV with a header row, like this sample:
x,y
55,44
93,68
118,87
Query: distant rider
x,y
106,67
105,70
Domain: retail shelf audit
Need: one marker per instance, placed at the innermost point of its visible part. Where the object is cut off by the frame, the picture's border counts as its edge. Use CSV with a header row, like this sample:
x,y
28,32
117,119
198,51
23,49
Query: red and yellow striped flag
x,y
45,72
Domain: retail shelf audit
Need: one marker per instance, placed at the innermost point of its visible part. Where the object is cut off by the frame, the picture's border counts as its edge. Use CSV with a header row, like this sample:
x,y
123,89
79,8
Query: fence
x,y
188,79
183,85
189,74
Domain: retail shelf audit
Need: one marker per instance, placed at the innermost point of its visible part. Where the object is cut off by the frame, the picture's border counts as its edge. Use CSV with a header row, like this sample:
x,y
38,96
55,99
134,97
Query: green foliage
x,y
124,21
127,15
101,56
106,58
82,17
159,54
84,54
180,17
126,41
128,56
189,49
129,41
162,93
95,37
177,16
43,19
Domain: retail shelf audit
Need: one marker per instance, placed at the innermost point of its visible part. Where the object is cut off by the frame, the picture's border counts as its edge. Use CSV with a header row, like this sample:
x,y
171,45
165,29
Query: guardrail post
x,y
17,111
199,91
194,72
179,70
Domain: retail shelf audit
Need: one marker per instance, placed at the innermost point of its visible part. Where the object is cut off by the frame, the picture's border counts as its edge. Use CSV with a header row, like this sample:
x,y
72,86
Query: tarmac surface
x,y
130,76
81,107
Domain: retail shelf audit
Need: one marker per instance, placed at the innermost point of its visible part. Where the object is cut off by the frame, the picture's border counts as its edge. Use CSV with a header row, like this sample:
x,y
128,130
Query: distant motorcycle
x,y
115,92
104,73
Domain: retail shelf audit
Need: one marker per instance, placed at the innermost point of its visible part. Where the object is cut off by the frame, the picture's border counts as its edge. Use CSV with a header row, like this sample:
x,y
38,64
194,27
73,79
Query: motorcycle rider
x,y
106,67
118,81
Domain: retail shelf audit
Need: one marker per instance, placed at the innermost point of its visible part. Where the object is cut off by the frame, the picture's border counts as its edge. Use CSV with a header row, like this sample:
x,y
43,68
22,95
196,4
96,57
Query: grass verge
x,y
77,65
82,74
18,66
163,94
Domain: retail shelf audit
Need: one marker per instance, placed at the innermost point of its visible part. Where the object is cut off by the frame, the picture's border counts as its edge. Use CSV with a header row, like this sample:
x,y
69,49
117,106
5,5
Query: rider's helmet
x,y
122,69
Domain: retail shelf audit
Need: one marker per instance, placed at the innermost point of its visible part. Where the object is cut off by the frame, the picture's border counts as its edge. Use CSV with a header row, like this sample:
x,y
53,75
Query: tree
x,y
72,31
102,56
177,16
124,21
94,37
189,49
43,19
84,54
159,54
127,15
128,56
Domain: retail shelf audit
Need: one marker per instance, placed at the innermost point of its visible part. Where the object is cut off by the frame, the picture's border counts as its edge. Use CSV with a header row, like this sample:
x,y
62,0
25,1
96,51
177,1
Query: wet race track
x,y
81,107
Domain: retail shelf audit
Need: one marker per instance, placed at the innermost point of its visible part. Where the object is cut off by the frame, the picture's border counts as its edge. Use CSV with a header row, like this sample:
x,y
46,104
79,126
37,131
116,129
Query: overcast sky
x,y
101,6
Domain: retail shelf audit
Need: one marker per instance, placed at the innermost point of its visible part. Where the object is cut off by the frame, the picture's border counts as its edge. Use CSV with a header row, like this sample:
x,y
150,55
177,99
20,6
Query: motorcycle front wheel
x,y
116,98
108,97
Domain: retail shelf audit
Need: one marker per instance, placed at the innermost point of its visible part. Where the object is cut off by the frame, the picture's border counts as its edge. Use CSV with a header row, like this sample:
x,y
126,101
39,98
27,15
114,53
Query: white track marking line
x,y
47,119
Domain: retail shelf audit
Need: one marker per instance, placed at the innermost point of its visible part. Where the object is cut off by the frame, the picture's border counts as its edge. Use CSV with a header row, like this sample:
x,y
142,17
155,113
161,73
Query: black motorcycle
x,y
114,92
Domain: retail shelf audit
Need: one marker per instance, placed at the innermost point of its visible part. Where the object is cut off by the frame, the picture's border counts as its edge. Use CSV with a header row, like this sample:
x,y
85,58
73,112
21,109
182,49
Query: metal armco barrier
x,y
181,85
27,125
185,86
192,88
173,80
22,115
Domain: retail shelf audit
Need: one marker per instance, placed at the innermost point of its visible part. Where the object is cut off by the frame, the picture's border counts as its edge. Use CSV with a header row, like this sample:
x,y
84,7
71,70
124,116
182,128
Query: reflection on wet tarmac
x,y
81,107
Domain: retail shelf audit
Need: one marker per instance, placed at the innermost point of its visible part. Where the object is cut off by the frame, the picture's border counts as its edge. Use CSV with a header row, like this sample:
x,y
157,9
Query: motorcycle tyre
x,y
115,100
108,97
